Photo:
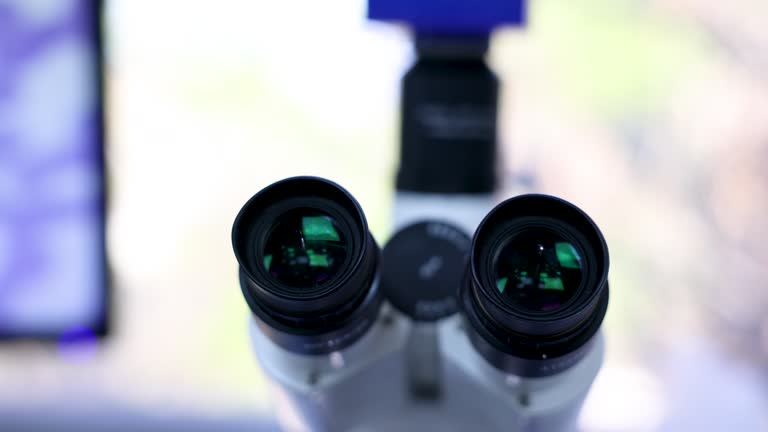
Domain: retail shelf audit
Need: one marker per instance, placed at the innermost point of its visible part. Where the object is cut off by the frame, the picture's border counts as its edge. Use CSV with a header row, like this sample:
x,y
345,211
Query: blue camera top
x,y
450,17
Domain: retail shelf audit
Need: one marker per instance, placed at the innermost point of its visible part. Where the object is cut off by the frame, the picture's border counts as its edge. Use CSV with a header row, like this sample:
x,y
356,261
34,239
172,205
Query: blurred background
x,y
650,115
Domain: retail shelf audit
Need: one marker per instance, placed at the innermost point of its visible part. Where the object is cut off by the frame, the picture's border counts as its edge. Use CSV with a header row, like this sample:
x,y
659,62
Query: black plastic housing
x,y
448,125
324,318
534,343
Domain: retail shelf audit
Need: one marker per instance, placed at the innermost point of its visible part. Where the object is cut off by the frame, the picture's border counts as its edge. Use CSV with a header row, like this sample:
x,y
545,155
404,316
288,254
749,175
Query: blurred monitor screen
x,y
53,278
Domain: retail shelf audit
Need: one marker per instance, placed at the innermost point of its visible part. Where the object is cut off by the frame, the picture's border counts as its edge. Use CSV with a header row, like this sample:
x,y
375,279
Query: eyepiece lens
x,y
538,270
305,249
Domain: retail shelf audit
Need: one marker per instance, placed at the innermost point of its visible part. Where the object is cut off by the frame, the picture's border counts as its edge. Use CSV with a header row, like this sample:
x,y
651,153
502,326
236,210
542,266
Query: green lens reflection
x,y
538,270
567,255
501,284
319,228
305,249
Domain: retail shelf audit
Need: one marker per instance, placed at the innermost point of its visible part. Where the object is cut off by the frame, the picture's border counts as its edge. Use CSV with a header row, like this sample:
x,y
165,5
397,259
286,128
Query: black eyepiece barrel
x,y
536,291
308,264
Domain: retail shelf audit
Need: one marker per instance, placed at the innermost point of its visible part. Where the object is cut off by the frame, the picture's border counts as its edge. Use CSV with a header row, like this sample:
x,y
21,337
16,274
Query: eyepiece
x,y
537,289
308,264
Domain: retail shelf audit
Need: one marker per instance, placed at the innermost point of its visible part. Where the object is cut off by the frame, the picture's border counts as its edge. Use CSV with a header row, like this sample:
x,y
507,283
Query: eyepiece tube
x,y
308,265
536,291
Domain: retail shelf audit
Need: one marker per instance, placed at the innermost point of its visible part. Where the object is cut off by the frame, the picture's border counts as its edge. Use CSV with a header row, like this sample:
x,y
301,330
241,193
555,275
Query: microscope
x,y
472,316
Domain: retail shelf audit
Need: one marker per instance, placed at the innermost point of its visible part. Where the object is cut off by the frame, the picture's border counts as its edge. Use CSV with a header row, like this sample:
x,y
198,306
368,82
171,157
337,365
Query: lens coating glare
x,y
538,270
305,249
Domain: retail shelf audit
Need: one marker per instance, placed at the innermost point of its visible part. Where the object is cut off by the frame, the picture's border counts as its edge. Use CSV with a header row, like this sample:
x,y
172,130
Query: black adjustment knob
x,y
422,268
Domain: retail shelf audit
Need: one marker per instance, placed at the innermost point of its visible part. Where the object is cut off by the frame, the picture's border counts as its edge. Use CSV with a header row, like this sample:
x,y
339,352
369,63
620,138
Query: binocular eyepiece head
x,y
534,292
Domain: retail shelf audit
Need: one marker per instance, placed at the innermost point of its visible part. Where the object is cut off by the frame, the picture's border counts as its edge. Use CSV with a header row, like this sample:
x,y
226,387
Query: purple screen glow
x,y
52,272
